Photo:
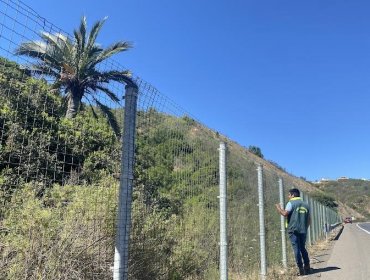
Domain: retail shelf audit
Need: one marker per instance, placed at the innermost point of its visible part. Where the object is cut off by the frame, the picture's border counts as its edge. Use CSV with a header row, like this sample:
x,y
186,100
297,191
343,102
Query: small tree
x,y
325,199
255,150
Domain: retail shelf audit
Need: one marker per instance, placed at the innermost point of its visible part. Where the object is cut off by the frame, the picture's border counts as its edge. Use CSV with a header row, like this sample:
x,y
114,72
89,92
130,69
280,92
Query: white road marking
x,y
368,232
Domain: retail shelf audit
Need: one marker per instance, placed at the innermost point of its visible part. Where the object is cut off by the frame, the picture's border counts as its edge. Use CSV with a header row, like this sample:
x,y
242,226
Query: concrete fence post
x,y
309,238
223,213
326,222
282,225
262,223
121,255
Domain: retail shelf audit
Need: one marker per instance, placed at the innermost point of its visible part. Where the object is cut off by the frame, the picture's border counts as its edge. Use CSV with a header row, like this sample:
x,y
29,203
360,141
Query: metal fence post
x,y
282,225
313,221
121,255
223,213
262,223
321,221
326,223
307,199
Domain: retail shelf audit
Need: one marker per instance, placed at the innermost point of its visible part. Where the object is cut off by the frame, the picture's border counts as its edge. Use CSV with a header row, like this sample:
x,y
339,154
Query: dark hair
x,y
295,192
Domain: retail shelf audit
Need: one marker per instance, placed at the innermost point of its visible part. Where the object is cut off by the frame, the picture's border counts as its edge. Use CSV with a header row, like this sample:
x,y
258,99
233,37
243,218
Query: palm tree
x,y
73,66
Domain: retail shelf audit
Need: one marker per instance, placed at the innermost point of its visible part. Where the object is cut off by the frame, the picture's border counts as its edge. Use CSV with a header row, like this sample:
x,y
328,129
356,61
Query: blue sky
x,y
291,77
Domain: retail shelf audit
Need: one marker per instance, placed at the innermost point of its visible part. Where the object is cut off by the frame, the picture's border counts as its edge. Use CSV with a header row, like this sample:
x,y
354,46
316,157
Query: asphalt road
x,y
350,256
365,227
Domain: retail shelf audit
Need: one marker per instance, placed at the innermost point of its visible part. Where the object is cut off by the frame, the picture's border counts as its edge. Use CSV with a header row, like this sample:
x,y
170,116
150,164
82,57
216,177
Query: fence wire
x,y
58,176
243,213
59,180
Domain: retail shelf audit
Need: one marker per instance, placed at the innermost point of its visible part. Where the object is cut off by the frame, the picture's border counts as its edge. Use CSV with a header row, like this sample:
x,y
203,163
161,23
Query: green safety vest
x,y
297,220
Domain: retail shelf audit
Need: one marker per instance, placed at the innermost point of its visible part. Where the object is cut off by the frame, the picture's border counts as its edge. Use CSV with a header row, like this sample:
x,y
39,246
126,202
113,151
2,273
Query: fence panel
x,y
176,213
59,178
242,214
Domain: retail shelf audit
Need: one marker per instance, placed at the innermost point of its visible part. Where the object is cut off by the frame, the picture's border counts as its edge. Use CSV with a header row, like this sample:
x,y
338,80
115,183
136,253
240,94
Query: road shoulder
x,y
320,254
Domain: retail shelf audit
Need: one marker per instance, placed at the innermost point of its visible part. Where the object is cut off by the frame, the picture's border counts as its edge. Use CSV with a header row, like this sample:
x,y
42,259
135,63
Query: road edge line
x,y
368,232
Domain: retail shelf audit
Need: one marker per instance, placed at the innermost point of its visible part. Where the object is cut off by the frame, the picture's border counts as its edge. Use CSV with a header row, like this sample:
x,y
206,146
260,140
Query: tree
x,y
255,150
325,199
73,66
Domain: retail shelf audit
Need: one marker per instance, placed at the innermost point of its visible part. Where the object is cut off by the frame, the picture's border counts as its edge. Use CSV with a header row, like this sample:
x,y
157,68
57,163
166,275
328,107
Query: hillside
x,y
59,187
353,196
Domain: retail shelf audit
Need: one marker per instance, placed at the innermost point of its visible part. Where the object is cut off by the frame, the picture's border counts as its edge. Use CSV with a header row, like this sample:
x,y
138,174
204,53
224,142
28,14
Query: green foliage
x,y
55,237
74,67
38,143
59,185
354,193
325,199
277,165
255,150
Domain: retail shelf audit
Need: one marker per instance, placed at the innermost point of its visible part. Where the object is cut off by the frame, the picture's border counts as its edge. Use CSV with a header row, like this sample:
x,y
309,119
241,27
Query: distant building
x,y
324,180
343,178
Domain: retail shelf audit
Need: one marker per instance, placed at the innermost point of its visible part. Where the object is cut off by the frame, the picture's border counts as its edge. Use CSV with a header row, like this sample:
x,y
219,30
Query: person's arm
x,y
281,211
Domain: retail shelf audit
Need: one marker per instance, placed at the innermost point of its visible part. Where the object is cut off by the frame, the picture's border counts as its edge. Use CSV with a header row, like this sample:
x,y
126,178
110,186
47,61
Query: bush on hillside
x,y
325,200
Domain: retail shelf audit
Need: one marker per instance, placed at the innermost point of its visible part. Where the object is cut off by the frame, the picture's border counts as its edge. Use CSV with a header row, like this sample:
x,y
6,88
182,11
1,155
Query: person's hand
x,y
278,206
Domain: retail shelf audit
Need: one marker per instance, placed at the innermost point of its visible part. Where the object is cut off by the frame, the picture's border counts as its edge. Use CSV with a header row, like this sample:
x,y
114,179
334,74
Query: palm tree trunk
x,y
73,105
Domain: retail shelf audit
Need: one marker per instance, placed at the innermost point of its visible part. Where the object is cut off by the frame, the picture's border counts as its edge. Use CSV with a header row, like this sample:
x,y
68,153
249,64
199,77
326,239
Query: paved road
x,y
350,256
365,227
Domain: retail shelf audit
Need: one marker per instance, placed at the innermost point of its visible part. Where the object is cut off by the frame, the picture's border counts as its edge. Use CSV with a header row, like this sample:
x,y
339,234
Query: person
x,y
298,217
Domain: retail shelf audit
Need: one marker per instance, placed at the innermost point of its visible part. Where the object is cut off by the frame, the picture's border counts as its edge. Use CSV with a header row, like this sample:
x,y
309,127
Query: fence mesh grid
x,y
59,180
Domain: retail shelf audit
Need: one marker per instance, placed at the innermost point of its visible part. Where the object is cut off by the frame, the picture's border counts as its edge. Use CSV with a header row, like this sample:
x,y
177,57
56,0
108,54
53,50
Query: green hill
x,y
352,195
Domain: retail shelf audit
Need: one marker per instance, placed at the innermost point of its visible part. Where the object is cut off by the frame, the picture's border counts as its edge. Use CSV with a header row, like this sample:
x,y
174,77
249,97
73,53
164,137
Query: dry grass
x,y
278,273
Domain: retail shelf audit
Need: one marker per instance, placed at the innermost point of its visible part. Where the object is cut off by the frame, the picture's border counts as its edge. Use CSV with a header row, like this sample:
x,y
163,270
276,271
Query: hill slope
x,y
353,196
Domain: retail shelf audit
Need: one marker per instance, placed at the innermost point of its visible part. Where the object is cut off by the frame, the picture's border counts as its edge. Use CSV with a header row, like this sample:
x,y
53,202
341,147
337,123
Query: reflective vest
x,y
297,220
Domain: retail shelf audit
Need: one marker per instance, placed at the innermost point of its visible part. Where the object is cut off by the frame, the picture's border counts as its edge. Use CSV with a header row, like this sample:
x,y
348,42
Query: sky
x,y
291,77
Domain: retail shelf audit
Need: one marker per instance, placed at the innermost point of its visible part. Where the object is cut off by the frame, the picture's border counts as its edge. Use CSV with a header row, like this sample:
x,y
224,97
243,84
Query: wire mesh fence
x,y
175,196
60,178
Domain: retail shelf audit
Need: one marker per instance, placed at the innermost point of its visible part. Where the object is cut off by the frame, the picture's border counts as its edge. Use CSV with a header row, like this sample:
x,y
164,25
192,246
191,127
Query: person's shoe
x,y
307,269
301,271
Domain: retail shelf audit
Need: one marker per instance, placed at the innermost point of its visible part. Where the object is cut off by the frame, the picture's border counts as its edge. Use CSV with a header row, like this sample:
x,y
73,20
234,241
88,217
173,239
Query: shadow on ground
x,y
339,233
323,269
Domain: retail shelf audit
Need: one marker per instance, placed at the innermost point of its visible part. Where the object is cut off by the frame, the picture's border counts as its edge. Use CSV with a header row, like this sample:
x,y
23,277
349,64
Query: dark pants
x,y
298,241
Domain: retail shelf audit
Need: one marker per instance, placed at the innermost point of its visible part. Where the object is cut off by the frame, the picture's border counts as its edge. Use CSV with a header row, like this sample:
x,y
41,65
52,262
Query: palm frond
x,y
94,33
95,115
40,51
108,92
113,49
93,111
34,49
82,31
113,75
111,118
41,68
57,41
79,40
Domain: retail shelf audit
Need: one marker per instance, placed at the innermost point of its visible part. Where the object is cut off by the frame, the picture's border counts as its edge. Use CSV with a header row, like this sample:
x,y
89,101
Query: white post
x,y
262,223
121,255
223,213
282,225
307,199
313,221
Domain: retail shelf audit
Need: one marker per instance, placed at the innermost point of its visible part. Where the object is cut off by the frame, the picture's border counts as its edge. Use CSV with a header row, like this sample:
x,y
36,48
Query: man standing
x,y
297,213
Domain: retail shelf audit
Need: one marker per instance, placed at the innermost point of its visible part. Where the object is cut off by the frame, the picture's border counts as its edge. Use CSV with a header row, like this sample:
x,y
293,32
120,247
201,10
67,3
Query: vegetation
x,y
59,189
325,199
255,150
354,193
74,67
